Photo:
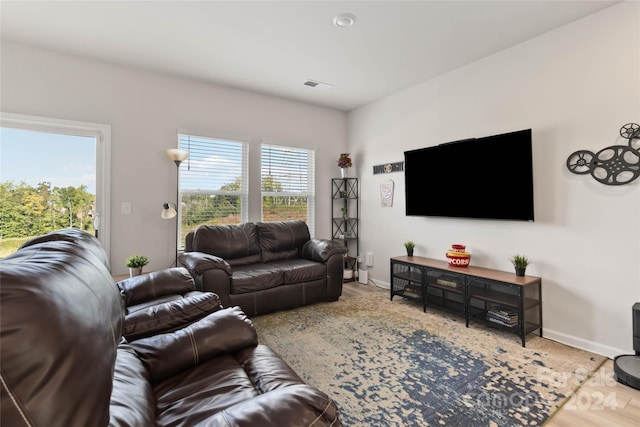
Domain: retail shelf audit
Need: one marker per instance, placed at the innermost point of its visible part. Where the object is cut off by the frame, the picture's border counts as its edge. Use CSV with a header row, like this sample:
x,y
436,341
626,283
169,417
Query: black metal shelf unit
x,y
345,220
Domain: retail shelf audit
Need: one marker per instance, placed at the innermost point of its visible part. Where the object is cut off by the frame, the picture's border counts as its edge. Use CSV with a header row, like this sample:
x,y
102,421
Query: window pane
x,y
48,183
212,183
281,208
287,184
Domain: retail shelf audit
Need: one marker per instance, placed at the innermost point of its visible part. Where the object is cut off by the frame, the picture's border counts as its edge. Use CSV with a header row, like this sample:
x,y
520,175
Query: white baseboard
x,y
560,337
583,344
380,283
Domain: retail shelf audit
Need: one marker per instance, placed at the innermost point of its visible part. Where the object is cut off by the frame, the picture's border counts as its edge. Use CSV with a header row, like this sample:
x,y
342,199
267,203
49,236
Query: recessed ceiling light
x,y
344,20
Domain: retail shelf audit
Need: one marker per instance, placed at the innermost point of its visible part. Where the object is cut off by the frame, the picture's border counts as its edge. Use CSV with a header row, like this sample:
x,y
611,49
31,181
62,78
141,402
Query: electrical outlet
x,y
369,262
126,208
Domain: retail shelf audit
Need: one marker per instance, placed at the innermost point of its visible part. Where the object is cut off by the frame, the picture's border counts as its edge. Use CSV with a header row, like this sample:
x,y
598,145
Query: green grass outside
x,y
10,245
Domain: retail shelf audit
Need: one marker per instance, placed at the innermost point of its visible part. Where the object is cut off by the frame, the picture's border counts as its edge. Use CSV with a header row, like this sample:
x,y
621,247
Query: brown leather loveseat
x,y
64,362
265,266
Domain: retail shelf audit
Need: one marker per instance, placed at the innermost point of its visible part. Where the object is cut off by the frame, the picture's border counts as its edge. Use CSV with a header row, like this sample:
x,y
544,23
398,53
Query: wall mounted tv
x,y
488,178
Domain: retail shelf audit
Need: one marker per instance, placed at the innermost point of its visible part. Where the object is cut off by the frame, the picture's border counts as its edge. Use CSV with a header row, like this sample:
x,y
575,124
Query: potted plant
x,y
520,262
409,246
135,264
344,162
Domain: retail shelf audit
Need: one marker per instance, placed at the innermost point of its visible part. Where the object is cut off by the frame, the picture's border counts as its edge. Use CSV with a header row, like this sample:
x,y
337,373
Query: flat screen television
x,y
488,178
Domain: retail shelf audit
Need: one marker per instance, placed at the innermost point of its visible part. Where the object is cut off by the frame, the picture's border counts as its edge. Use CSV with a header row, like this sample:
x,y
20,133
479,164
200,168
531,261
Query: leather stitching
x,y
15,402
194,346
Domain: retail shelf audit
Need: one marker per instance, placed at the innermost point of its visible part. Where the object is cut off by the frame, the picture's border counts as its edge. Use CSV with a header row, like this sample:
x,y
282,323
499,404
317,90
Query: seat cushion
x,y
193,396
255,277
299,270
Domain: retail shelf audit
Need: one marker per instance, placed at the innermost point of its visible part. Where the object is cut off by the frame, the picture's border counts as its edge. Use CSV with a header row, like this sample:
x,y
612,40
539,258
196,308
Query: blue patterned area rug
x,y
386,363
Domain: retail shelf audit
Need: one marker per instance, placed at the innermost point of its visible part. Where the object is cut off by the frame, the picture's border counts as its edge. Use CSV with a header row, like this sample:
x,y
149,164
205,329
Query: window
x,y
55,174
288,184
212,183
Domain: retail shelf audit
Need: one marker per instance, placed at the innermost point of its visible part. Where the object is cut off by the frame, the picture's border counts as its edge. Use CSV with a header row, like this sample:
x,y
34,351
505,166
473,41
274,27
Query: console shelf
x,y
496,298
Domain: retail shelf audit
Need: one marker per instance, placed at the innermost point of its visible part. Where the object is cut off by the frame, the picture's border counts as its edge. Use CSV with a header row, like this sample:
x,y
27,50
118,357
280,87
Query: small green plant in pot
x,y
409,246
520,263
135,264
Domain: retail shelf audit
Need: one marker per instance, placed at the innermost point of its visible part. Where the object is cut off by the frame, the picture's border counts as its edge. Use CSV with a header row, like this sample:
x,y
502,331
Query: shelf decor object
x,y
409,246
613,165
457,257
520,263
344,162
135,264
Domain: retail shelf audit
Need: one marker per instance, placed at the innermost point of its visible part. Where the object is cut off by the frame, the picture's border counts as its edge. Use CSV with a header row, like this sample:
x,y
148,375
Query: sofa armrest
x,y
199,262
150,286
132,400
322,249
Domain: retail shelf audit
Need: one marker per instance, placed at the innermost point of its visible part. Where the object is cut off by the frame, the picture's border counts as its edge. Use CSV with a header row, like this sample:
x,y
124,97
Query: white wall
x,y
145,110
575,87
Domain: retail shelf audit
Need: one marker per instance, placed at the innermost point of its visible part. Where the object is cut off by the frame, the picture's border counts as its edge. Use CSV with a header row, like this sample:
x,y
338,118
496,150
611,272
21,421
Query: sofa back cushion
x,y
60,324
236,244
282,239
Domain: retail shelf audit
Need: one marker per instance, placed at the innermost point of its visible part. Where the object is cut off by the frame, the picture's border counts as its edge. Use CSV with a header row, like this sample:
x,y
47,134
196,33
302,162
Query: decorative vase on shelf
x,y
520,271
344,162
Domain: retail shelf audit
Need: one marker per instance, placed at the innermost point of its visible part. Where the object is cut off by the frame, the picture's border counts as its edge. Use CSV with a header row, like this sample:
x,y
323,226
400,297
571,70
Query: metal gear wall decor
x,y
614,165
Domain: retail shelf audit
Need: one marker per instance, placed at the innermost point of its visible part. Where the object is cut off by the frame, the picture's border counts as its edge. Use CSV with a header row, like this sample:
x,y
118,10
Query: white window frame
x,y
311,187
102,134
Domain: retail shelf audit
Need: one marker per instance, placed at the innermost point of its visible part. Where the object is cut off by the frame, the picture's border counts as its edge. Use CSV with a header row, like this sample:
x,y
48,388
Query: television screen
x,y
490,178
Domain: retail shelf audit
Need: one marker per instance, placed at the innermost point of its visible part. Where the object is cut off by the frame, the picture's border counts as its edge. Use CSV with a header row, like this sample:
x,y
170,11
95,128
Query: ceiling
x,y
273,47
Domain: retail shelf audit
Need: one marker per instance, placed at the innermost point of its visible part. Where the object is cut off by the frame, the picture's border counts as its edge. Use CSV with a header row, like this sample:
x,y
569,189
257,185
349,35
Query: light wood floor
x,y
600,401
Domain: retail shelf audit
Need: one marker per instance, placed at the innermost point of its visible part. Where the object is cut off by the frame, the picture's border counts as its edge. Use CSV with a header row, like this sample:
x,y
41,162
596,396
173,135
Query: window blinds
x,y
288,184
212,182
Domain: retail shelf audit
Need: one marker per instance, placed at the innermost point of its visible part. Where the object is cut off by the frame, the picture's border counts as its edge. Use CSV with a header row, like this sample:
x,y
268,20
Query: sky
x,y
35,157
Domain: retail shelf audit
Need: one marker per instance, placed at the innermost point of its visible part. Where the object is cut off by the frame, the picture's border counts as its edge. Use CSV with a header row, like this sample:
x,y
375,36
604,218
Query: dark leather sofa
x,y
64,362
265,266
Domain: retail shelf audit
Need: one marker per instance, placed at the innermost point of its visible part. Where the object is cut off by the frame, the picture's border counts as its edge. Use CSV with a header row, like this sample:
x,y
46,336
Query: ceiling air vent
x,y
318,85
